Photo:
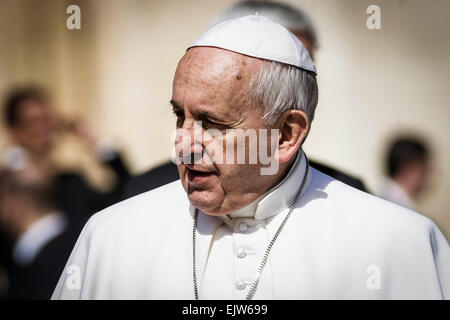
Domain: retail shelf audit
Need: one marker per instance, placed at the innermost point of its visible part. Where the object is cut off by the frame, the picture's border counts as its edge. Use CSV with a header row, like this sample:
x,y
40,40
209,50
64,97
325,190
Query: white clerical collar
x,y
30,243
277,199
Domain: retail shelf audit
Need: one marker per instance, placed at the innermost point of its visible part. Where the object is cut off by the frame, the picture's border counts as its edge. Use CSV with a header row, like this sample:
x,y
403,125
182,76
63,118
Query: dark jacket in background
x,y
37,280
79,200
339,175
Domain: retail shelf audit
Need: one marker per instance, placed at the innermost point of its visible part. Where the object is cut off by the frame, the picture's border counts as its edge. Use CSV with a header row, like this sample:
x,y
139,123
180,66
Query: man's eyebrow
x,y
175,105
200,114
206,114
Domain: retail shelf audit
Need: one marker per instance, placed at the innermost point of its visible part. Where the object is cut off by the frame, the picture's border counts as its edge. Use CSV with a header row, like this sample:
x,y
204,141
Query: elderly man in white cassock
x,y
243,230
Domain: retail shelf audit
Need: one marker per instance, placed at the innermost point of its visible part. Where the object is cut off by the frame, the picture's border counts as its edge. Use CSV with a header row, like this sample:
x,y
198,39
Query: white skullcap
x,y
259,37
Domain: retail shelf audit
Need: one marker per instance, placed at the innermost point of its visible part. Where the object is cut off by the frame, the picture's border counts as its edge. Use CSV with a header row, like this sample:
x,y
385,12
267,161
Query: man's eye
x,y
180,117
208,124
178,114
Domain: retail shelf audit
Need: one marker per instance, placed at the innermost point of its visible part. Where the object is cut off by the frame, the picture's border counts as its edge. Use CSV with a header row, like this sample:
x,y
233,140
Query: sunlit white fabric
x,y
339,243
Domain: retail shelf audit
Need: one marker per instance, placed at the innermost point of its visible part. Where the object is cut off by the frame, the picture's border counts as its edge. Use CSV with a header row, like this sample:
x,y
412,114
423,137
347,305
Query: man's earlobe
x,y
294,126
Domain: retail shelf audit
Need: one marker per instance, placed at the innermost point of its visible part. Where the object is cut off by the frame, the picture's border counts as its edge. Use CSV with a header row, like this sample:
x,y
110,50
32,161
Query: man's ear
x,y
294,127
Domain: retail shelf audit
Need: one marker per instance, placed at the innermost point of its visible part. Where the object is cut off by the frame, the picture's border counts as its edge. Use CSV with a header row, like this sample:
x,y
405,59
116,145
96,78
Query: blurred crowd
x,y
43,208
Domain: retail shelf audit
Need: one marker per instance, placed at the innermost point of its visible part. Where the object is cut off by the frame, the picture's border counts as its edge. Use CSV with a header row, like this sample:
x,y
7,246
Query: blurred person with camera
x,y
33,128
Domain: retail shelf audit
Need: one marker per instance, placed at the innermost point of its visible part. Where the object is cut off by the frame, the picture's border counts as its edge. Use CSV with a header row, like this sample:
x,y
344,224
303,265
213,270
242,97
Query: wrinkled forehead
x,y
208,73
210,62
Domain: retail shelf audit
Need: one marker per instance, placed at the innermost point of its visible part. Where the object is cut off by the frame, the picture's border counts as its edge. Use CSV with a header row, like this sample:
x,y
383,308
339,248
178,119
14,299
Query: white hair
x,y
279,87
288,16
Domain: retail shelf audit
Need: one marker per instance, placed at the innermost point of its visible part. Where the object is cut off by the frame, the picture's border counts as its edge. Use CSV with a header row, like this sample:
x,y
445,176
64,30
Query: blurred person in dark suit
x,y
301,26
33,128
5,253
407,169
40,235
152,179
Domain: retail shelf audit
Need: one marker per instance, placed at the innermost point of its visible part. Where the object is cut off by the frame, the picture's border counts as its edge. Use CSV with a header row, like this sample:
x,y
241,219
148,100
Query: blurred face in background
x,y
34,127
306,40
415,175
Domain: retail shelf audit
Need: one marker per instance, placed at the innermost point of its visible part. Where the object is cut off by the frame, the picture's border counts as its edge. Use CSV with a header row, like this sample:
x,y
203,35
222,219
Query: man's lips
x,y
197,168
197,176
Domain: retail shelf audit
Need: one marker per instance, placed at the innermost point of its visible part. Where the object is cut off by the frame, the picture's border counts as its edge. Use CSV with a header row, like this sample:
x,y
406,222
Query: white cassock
x,y
339,243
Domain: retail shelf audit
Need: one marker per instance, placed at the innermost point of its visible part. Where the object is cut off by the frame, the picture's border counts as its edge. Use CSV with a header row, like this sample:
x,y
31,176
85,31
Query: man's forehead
x,y
220,60
215,75
214,80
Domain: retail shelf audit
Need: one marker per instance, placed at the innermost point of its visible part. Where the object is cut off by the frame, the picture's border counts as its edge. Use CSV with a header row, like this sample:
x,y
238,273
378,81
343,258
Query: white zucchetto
x,y
259,37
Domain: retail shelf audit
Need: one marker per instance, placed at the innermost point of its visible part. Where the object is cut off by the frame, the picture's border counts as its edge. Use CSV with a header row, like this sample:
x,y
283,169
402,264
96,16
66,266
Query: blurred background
x,y
110,84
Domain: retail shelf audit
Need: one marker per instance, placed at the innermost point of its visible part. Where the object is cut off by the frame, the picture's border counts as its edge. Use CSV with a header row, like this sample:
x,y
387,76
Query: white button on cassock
x,y
243,227
240,253
240,285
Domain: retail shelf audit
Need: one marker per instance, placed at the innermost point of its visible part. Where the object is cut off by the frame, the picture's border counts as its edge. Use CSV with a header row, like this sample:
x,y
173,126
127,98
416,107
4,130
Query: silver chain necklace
x,y
255,282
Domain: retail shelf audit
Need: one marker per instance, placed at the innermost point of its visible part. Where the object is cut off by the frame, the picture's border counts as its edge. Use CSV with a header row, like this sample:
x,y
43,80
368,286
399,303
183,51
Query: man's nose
x,y
189,144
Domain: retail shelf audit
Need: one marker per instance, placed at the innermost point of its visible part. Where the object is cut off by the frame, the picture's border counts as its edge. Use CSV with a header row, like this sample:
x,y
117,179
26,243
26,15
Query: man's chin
x,y
204,202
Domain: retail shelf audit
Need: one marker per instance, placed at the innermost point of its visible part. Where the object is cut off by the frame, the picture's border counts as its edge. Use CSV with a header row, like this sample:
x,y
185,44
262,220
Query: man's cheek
x,y
214,148
181,171
231,176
